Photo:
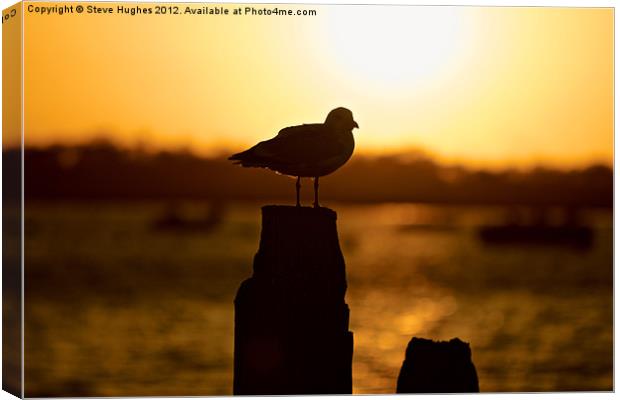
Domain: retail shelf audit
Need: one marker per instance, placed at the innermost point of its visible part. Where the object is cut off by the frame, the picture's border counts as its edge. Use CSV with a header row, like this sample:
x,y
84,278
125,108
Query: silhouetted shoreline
x,y
101,171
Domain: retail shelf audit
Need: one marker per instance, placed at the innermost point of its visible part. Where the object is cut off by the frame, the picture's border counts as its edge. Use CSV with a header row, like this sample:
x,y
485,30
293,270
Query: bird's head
x,y
341,119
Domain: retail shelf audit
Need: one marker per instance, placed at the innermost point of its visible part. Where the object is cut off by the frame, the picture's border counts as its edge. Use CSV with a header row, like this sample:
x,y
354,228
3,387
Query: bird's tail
x,y
238,158
246,159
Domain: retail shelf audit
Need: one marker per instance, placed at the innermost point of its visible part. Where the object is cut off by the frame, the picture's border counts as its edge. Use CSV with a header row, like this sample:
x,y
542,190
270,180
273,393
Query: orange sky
x,y
487,86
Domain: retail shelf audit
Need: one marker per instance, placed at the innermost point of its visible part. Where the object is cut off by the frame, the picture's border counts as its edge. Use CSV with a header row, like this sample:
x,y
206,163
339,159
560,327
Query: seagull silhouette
x,y
308,150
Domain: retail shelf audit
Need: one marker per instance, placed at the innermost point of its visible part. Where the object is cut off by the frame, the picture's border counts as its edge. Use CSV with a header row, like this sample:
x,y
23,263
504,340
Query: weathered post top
x,y
299,250
301,212
437,367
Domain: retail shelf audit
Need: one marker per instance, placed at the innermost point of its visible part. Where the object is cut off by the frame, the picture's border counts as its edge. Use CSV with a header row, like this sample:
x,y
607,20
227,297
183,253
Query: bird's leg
x,y
316,192
297,187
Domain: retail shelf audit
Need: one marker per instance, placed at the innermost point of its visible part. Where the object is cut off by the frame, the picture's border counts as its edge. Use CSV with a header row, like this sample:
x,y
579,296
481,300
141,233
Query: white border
x,y
503,3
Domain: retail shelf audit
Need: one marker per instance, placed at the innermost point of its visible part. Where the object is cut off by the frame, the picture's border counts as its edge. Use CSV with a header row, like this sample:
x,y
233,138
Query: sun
x,y
395,48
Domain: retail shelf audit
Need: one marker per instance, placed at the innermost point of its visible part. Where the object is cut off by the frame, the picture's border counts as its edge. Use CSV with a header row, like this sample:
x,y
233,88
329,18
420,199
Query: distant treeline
x,y
103,171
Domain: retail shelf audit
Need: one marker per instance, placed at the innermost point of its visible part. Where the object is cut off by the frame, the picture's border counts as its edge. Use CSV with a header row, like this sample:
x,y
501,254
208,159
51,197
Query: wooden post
x,y
437,367
291,321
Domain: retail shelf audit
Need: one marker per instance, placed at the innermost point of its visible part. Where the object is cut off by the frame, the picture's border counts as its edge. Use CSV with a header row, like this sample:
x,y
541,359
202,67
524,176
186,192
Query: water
x,y
115,307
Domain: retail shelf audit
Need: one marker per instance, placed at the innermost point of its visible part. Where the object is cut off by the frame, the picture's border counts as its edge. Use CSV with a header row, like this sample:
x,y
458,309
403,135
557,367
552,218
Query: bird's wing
x,y
300,130
302,144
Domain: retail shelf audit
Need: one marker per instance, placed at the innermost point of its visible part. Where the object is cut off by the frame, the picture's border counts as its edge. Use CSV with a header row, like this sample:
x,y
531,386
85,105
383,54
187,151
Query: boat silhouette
x,y
570,232
174,220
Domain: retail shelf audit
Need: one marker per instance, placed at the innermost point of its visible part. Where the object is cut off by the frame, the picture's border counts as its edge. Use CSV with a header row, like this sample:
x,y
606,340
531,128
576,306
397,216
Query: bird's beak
x,y
355,125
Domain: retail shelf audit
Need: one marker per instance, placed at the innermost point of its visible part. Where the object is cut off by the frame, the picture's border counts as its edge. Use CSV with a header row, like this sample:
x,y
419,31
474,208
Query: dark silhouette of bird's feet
x,y
316,192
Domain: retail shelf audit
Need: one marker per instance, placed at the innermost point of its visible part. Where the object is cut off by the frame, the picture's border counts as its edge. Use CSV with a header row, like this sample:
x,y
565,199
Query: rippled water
x,y
115,307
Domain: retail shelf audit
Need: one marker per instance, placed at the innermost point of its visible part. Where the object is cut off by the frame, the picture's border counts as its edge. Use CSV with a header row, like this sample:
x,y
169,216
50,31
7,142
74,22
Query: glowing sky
x,y
488,86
